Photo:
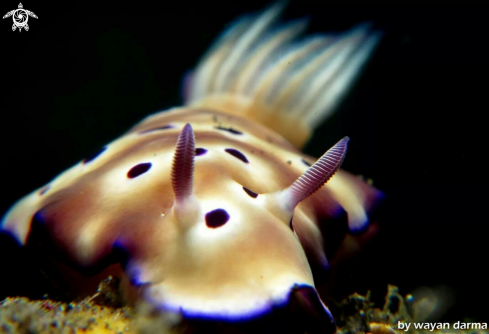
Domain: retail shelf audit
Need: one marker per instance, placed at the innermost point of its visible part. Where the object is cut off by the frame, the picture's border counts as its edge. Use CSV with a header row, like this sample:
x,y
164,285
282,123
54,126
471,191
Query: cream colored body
x,y
250,264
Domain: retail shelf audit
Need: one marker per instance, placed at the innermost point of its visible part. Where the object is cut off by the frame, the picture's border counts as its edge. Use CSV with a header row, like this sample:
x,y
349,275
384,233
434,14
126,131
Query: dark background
x,y
85,73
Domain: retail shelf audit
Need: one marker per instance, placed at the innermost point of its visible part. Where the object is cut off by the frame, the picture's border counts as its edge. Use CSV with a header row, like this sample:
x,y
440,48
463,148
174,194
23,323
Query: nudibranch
x,y
210,208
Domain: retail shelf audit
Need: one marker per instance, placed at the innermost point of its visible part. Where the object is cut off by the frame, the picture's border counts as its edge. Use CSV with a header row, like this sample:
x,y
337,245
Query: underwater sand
x,y
102,314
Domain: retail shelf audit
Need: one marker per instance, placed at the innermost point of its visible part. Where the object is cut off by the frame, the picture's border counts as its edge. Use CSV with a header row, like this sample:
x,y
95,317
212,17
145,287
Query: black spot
x,y
216,218
43,190
236,154
200,151
94,155
316,317
250,193
289,162
306,163
120,253
231,130
164,127
138,170
394,304
38,234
